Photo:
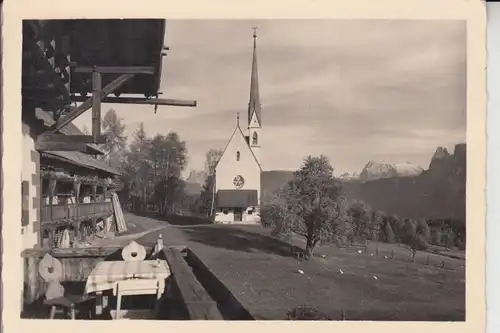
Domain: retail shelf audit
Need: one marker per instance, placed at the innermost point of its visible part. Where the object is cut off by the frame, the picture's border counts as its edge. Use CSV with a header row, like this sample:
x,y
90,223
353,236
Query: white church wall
x,y
221,217
226,216
229,167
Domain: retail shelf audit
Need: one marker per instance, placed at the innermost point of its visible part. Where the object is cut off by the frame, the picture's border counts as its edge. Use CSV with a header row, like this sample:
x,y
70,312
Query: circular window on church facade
x,y
238,181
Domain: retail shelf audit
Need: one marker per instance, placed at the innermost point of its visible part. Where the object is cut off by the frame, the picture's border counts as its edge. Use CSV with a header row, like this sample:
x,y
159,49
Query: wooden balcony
x,y
78,212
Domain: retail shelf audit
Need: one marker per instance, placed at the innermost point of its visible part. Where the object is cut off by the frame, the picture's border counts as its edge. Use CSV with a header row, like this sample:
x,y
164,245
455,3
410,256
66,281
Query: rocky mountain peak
x,y
440,156
376,170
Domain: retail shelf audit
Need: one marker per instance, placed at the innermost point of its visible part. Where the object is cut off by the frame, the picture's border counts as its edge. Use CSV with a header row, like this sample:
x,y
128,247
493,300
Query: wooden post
x,y
52,189
50,232
392,253
31,288
104,192
94,193
76,186
427,260
96,104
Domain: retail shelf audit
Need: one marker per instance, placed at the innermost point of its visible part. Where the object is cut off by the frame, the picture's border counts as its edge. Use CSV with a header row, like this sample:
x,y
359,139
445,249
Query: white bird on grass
x,y
341,271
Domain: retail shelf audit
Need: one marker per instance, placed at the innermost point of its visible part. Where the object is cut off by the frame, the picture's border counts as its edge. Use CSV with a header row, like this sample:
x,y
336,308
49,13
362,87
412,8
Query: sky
x,y
354,90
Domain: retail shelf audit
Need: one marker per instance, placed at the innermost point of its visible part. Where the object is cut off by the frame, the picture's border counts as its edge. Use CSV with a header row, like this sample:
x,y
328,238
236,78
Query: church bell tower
x,y
254,106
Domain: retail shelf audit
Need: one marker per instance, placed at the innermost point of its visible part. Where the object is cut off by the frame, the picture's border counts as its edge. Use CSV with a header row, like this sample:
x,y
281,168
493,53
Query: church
x,y
238,172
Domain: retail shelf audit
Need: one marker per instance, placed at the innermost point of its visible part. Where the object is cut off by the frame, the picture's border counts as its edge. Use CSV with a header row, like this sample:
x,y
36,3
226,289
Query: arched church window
x,y
237,156
254,138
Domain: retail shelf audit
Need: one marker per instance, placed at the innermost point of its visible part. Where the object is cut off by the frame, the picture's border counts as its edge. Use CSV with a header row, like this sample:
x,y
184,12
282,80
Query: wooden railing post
x,y
52,189
77,186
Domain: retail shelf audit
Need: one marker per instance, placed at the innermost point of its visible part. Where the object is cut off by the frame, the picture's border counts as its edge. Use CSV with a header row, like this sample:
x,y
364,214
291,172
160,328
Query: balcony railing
x,y
81,211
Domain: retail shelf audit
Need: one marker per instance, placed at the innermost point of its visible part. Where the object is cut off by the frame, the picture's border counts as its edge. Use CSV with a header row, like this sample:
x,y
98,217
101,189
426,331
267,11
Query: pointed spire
x,y
254,102
238,119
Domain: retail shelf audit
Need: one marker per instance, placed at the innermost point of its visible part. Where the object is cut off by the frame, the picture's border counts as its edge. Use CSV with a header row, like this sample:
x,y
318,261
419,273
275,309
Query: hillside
x,y
438,192
270,181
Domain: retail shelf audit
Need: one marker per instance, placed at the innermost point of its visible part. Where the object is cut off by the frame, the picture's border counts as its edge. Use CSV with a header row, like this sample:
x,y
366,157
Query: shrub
x,y
388,233
416,235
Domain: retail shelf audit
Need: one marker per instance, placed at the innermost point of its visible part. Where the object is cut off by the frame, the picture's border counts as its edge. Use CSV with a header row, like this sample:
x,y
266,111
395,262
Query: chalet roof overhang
x,y
84,43
237,198
81,159
64,60
70,129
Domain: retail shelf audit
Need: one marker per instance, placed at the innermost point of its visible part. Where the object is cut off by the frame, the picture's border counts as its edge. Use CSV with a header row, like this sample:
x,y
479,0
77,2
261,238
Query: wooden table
x,y
107,273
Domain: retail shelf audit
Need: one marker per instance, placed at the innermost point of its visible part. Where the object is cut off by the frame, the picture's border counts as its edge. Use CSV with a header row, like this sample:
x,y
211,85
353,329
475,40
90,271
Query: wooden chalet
x,y
65,186
69,67
75,193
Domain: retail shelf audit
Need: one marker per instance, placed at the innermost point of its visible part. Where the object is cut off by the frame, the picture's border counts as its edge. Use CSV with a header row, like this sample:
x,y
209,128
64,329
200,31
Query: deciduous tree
x,y
417,235
312,205
387,230
116,143
212,158
360,218
205,200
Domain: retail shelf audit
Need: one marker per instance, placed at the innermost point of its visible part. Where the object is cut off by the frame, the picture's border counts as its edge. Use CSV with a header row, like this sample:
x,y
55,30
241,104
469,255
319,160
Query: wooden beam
x,y
139,100
96,104
42,61
87,104
116,70
61,146
49,137
198,303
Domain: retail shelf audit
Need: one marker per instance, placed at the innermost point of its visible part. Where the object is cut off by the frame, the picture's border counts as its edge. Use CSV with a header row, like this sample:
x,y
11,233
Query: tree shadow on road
x,y
250,239
174,219
186,220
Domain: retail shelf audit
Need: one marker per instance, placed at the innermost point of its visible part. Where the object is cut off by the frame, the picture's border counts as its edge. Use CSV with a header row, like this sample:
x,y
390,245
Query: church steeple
x,y
254,107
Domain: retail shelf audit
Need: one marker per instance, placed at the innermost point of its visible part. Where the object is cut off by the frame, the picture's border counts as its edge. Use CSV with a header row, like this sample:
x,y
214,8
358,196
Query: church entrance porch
x,y
238,214
236,206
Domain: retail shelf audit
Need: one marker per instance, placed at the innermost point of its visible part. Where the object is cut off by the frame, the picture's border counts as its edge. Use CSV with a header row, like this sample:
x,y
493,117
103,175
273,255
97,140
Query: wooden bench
x,y
198,303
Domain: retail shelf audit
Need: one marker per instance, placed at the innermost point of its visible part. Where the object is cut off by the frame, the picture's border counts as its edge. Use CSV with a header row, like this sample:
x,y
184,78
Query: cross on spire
x,y
238,118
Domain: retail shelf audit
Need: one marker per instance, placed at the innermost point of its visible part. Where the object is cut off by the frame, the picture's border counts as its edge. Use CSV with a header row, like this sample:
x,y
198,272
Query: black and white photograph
x,y
252,169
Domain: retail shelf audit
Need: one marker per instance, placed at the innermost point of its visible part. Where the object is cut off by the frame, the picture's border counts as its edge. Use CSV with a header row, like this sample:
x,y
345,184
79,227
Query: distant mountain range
x,y
438,192
377,170
403,189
